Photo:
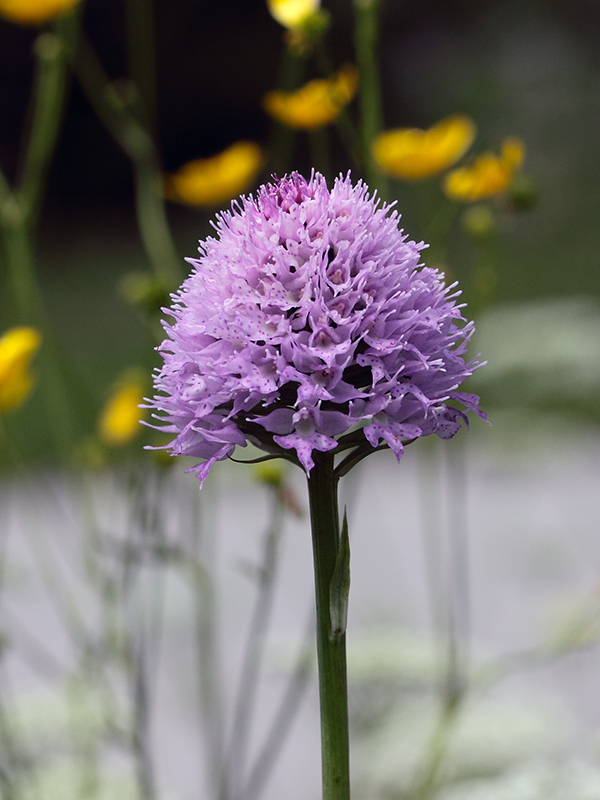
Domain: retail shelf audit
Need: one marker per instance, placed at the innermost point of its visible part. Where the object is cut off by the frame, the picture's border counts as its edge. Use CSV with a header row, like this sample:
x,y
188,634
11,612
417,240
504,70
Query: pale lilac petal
x,y
278,421
393,433
304,446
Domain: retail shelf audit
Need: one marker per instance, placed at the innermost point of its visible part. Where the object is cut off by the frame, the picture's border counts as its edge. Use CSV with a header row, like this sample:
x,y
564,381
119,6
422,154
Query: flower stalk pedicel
x,y
309,328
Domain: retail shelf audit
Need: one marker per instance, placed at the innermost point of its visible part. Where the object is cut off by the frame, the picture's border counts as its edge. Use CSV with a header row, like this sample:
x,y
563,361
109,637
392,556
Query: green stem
x,y
455,462
5,192
20,264
141,722
366,34
282,139
197,564
253,656
450,602
131,135
52,52
319,151
29,308
482,282
19,210
437,750
142,59
298,683
344,125
150,206
209,671
331,650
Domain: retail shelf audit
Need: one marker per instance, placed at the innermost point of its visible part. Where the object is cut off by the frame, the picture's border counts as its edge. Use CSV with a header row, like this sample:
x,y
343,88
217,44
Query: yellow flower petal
x,y
316,104
292,13
17,348
413,154
34,12
208,182
488,175
119,421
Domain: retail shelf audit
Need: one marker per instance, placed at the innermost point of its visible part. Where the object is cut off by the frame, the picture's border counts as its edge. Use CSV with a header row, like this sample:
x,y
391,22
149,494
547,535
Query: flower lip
x,y
299,342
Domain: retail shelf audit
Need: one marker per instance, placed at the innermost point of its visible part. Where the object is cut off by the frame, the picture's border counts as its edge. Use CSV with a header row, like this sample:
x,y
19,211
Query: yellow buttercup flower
x,y
316,104
119,421
34,12
412,154
488,175
292,13
17,348
208,182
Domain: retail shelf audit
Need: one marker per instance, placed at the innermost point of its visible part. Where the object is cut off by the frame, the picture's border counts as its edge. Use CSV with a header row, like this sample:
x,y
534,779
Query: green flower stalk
x,y
366,32
332,583
20,205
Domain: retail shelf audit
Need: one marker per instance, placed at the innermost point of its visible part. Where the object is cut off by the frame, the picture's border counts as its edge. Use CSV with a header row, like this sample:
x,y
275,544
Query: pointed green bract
x,y
340,585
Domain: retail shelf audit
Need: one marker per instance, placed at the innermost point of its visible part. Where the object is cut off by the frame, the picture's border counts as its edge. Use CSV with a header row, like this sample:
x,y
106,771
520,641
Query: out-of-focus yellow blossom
x,y
412,154
17,348
207,182
292,13
34,12
119,421
488,175
315,104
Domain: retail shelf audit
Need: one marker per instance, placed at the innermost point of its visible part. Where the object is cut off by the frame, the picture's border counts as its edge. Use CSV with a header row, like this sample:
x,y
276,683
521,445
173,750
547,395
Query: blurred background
x,y
489,574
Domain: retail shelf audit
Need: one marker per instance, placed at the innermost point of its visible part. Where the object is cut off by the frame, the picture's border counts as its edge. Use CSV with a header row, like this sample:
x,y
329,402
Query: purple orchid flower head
x,y
308,324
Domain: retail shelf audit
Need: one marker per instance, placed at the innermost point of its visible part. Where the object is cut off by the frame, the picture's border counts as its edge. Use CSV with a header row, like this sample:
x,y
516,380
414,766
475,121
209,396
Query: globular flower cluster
x,y
309,324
